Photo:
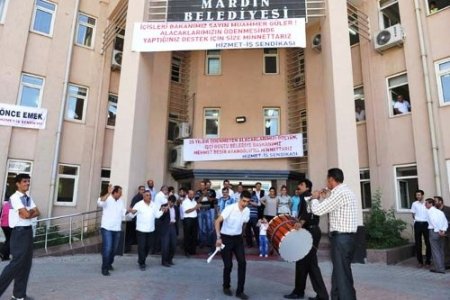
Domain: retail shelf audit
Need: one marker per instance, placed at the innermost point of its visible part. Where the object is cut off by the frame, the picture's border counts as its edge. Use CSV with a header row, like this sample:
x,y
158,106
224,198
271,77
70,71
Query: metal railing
x,y
67,229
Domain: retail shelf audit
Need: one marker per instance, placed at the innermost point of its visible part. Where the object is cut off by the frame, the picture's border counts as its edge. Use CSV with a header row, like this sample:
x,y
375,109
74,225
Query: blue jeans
x,y
263,245
110,243
206,227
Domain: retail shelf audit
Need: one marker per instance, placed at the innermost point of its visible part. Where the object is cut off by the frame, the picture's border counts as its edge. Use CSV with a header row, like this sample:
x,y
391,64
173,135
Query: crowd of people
x,y
431,224
218,220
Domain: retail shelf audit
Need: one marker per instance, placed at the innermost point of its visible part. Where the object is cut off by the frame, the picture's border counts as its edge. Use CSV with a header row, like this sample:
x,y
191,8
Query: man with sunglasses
x,y
232,218
22,211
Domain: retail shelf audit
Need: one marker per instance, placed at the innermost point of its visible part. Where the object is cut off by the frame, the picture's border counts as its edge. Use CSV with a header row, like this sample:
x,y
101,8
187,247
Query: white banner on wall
x,y
172,36
22,116
261,147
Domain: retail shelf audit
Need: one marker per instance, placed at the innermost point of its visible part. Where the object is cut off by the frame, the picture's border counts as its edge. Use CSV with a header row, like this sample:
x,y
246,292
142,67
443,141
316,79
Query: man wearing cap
x,y
229,233
22,211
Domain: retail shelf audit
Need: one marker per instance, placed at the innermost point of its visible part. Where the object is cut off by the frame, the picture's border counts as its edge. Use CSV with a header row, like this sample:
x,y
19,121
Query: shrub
x,y
383,229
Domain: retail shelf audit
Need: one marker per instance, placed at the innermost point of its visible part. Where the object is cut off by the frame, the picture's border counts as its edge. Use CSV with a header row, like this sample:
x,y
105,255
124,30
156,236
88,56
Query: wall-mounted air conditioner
x,y
116,60
176,160
317,42
389,37
182,130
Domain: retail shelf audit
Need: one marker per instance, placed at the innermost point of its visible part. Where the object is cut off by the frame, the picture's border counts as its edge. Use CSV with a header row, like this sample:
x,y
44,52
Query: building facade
x,y
370,93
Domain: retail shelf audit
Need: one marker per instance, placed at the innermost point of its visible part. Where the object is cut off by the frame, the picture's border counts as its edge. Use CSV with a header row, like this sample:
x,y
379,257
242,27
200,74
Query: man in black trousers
x,y
168,232
308,264
23,210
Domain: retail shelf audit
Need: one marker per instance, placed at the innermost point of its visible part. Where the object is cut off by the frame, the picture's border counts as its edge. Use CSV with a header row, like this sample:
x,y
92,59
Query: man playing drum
x,y
308,264
233,218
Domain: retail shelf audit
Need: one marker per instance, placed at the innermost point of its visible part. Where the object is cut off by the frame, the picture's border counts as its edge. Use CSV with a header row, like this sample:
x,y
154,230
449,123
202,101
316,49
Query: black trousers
x,y
190,230
342,250
4,251
421,229
145,243
309,266
157,237
233,244
168,243
252,230
19,267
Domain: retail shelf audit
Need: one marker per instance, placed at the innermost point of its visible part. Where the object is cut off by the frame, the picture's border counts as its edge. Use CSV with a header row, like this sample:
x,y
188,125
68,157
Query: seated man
x,y
401,106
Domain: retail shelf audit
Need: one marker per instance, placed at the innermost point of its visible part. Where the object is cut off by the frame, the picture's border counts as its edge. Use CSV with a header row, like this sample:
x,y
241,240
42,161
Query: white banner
x,y
261,147
22,116
172,36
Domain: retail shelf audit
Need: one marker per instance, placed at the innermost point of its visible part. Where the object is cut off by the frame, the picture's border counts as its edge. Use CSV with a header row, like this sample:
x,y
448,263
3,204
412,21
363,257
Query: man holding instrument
x,y
233,218
340,202
308,264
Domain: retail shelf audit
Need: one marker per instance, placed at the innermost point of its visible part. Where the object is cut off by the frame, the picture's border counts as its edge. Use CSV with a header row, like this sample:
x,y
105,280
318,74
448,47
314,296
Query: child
x,y
263,242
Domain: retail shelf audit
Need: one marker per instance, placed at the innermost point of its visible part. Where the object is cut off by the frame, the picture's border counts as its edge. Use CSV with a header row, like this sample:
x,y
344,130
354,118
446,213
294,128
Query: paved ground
x,y
78,277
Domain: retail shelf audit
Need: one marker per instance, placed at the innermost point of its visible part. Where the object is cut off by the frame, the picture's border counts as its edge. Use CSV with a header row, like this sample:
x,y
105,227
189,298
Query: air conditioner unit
x,y
182,130
317,42
176,160
389,37
299,80
116,62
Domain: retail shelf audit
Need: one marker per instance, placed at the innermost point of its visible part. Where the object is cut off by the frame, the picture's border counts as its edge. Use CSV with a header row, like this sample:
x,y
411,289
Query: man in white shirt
x,y
190,223
22,211
146,212
160,199
232,218
401,106
420,216
437,226
111,226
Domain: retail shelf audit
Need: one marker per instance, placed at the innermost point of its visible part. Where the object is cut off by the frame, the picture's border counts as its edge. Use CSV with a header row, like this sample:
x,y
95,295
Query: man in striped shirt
x,y
340,202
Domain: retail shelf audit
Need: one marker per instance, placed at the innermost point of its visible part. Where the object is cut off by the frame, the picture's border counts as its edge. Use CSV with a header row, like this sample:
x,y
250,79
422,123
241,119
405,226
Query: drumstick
x,y
215,252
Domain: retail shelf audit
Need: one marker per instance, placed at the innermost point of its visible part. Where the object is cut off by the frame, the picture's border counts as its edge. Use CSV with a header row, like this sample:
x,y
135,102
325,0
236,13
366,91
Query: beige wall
x,y
139,146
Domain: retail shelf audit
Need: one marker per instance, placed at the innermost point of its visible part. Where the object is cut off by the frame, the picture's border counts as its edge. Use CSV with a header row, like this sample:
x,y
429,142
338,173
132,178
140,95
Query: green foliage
x,y
383,229
54,238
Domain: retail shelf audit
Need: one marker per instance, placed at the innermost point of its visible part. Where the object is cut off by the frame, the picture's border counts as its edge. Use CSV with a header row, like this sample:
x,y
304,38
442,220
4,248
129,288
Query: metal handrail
x,y
66,229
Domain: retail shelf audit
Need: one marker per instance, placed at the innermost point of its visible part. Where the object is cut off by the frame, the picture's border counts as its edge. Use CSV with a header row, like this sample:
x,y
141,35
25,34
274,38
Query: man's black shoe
x,y
105,273
242,296
436,271
166,265
171,263
227,292
110,268
294,296
142,267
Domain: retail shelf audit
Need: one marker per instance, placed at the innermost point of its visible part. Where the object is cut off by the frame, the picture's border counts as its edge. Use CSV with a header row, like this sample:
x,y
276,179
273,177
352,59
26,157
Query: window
x,y
443,80
389,13
76,103
30,91
105,177
436,5
271,121
360,106
175,71
43,17
353,28
270,61
3,7
211,119
67,185
112,110
366,194
213,62
85,30
398,91
406,185
304,130
15,167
